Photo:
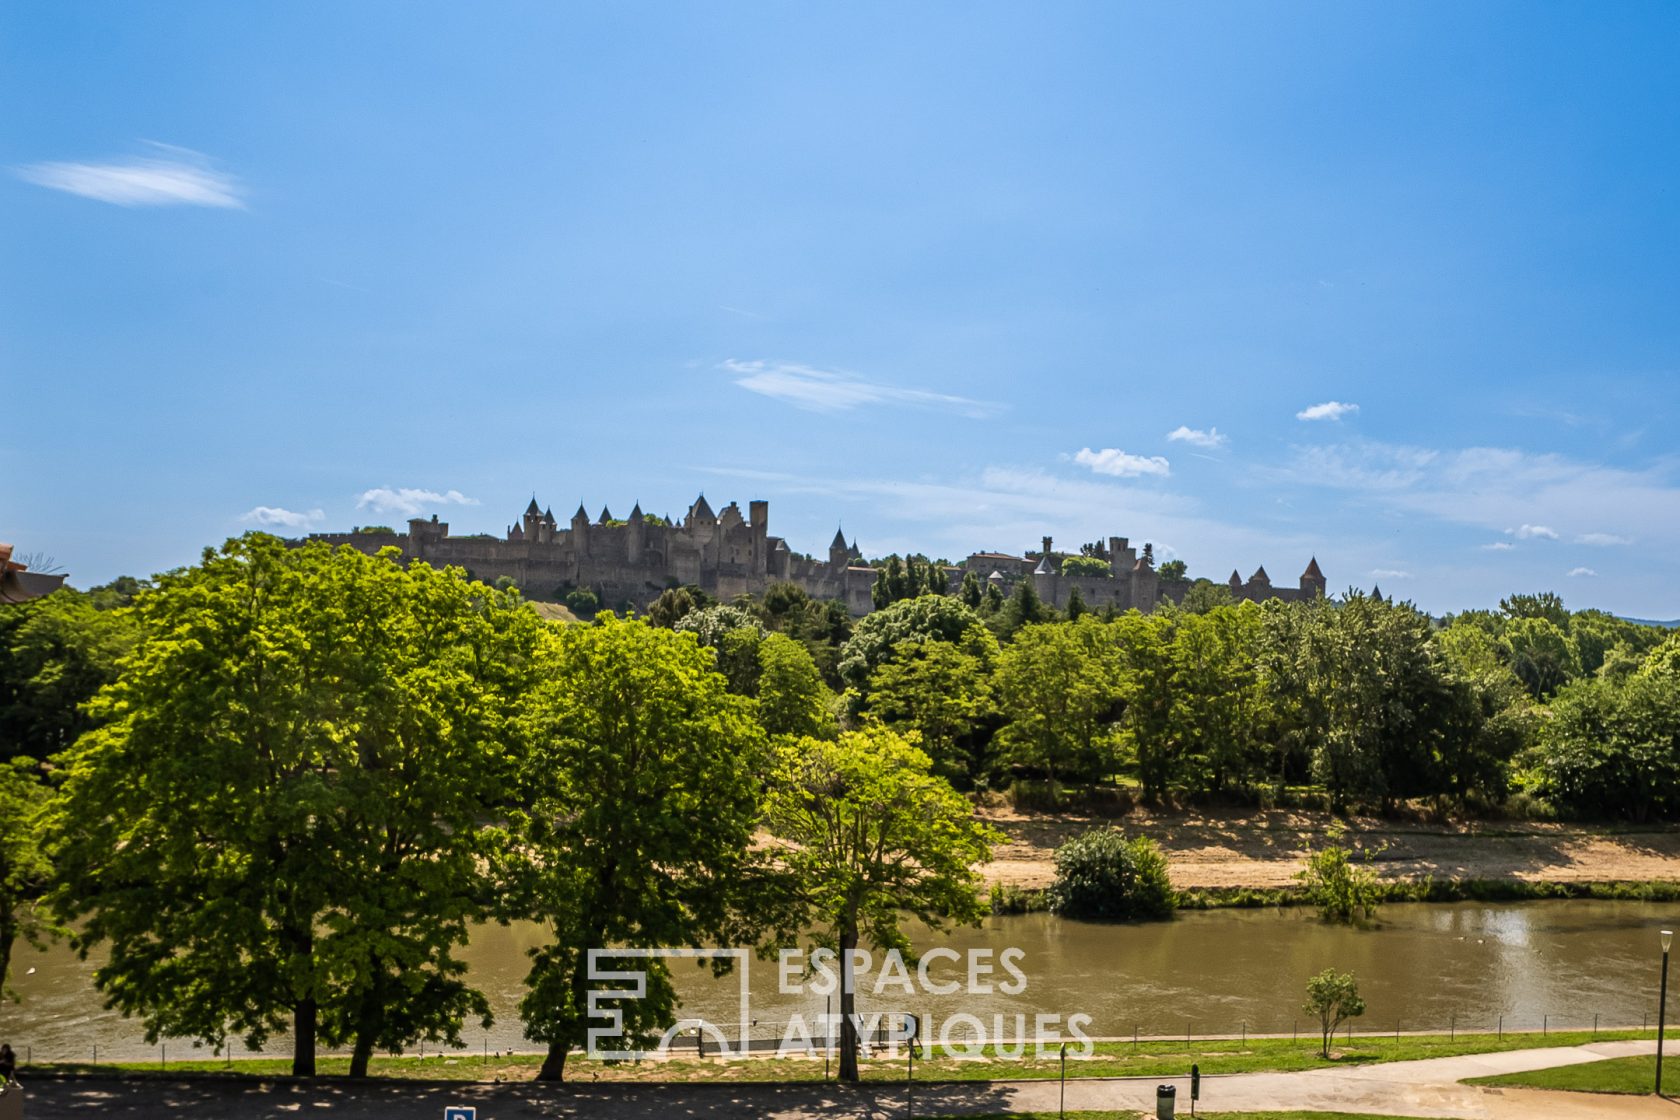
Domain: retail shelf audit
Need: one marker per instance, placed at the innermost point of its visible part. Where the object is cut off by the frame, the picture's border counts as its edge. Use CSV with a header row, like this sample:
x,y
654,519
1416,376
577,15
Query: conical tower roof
x,y
533,509
702,509
636,514
606,515
1260,575
839,540
1312,571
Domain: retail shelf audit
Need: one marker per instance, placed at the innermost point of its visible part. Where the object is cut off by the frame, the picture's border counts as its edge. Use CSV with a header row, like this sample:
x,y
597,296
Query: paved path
x,y
1423,1088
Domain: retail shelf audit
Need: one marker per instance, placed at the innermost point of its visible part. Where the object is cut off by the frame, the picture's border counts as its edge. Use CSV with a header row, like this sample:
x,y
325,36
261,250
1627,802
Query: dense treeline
x,y
1532,707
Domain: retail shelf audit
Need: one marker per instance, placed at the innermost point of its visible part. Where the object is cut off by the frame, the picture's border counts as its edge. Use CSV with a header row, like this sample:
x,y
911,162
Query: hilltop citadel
x,y
629,562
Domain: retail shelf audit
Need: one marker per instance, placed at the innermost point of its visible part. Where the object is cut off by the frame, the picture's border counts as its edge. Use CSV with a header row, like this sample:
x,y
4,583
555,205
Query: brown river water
x,y
1423,966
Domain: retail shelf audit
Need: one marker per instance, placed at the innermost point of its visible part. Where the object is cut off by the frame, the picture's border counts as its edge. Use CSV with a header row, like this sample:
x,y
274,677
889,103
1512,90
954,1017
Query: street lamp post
x,y
1662,1004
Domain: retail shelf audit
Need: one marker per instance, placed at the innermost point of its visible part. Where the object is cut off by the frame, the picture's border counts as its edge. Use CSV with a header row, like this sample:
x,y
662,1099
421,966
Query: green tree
x,y
792,699
1103,876
1057,684
867,837
876,635
1332,998
277,823
943,692
55,654
1024,608
1144,690
1541,654
1087,566
638,796
1546,605
1612,748
1204,595
1217,704
1344,891
674,604
971,592
1076,605
1490,717
24,865
1173,569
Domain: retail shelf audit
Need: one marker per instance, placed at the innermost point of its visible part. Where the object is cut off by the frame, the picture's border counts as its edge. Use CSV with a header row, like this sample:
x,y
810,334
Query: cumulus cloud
x,y
1533,532
1390,573
1195,437
1498,546
1329,410
410,501
275,517
824,390
1113,461
1582,572
180,177
1602,540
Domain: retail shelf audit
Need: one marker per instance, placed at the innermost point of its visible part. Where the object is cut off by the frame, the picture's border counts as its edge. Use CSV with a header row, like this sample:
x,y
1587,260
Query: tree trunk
x,y
359,1057
554,1063
303,1038
848,1006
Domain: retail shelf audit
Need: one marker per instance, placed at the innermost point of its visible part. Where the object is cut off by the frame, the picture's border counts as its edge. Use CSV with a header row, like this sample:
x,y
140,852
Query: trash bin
x,y
1166,1099
11,1101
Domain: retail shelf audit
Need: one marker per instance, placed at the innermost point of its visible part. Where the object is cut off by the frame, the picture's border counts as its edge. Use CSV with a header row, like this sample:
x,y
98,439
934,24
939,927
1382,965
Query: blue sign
x,y
460,1112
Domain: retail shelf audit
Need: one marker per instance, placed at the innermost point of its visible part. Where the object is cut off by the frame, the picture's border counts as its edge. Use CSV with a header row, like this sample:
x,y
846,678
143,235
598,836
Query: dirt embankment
x,y
1265,849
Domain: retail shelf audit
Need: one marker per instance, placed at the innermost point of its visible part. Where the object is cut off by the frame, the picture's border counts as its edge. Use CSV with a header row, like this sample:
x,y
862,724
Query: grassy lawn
x,y
1150,1058
1614,1075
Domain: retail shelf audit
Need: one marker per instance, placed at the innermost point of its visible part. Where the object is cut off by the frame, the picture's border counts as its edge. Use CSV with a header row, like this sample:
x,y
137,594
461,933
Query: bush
x,y
1342,890
1102,876
583,603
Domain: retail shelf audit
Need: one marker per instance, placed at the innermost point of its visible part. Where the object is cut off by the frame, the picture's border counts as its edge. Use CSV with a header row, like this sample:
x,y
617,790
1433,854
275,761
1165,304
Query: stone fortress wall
x,y
630,561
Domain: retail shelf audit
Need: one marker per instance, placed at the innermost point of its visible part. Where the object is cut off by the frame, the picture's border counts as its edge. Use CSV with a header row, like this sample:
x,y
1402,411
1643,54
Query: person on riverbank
x,y
8,1062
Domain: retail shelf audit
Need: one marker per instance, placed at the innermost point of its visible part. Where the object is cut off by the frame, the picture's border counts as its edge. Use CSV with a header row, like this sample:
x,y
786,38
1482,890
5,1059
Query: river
x,y
1221,971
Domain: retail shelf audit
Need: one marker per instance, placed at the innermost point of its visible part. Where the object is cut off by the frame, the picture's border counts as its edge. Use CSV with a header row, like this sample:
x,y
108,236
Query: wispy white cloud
x,y
1195,437
823,390
1602,540
1582,572
1498,546
1390,573
181,177
275,517
1120,464
1534,532
1329,410
410,501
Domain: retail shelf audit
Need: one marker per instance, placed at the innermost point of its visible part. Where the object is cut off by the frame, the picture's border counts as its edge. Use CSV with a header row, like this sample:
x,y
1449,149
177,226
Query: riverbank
x,y
1216,851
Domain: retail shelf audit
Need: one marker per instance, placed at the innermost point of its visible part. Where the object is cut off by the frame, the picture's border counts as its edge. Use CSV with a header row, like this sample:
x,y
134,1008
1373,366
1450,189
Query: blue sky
x,y
951,275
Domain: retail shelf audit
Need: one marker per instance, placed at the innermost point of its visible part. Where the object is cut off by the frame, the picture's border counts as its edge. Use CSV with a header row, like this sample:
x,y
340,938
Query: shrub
x,y
583,603
1103,876
1342,890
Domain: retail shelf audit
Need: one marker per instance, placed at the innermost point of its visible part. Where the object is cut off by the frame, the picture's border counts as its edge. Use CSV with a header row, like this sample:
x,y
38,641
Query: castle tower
x,y
839,556
606,515
1236,586
758,519
1121,557
1312,581
532,518
633,535
1145,583
580,532
700,515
